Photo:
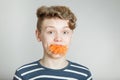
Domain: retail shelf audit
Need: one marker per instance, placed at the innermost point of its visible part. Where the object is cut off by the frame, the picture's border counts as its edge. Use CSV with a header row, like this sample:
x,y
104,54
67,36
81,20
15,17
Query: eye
x,y
65,32
50,32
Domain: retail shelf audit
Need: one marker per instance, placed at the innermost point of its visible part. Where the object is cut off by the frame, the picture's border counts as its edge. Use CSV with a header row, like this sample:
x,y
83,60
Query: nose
x,y
58,37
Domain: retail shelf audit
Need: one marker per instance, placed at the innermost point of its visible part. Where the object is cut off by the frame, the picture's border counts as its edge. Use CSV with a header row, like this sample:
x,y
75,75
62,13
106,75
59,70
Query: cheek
x,y
47,40
67,39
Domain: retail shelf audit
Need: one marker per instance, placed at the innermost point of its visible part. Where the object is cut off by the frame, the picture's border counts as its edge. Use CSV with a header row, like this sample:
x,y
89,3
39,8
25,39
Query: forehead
x,y
55,23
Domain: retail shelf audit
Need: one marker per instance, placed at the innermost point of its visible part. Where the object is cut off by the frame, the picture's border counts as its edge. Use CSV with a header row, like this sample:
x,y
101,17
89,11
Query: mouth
x,y
58,49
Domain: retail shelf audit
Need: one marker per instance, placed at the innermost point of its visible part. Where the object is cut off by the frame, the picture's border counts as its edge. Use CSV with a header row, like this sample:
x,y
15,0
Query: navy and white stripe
x,y
35,71
53,77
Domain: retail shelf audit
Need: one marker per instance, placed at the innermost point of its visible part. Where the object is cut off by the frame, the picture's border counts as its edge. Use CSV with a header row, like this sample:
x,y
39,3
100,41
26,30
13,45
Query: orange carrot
x,y
58,49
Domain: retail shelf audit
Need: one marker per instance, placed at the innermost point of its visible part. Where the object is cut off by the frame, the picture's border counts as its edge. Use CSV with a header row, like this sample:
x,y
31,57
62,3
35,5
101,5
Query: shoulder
x,y
24,70
77,65
28,66
80,69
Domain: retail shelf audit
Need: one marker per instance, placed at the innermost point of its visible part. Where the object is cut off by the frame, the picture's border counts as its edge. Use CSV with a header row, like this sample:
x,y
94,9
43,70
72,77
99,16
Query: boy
x,y
55,27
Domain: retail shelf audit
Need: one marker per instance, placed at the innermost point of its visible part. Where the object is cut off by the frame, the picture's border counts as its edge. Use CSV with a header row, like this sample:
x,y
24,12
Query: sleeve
x,y
89,76
17,76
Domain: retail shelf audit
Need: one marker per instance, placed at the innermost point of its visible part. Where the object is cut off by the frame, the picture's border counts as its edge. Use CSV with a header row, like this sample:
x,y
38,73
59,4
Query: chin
x,y
56,56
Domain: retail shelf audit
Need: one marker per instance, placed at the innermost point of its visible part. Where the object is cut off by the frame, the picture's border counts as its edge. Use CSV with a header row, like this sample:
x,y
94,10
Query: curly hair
x,y
61,12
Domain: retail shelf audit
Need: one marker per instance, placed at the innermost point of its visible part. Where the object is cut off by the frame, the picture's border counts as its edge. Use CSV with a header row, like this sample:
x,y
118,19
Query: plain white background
x,y
95,43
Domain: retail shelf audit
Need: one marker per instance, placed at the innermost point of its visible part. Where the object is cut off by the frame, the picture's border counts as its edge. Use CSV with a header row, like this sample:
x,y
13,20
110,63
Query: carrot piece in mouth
x,y
58,49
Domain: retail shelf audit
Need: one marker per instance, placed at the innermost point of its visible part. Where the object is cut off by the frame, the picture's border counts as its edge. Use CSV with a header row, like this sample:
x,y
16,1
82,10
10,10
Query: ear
x,y
38,35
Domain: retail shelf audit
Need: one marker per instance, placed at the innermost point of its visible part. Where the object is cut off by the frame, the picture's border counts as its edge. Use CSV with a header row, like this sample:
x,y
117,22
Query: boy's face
x,y
54,32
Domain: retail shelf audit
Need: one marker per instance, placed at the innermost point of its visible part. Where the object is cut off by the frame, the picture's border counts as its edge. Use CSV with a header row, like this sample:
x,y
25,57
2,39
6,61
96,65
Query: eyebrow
x,y
66,27
49,27
54,27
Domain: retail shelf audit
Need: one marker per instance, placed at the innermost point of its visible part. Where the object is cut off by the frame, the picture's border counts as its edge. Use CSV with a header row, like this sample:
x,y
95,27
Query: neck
x,y
53,63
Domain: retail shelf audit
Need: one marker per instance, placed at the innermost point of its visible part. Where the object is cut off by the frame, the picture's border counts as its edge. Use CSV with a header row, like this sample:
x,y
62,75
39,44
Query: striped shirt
x,y
35,71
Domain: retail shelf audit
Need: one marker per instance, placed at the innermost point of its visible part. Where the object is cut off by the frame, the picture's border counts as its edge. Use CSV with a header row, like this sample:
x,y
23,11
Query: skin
x,y
54,31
